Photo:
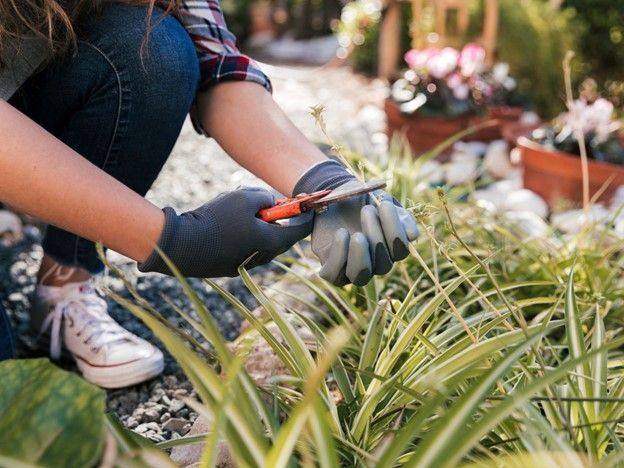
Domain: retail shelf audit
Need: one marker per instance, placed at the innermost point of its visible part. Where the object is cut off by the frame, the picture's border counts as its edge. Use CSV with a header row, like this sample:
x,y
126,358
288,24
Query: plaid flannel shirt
x,y
217,49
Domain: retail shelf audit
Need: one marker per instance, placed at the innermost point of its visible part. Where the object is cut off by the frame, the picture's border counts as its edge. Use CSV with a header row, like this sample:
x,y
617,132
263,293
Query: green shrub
x,y
481,348
533,38
599,27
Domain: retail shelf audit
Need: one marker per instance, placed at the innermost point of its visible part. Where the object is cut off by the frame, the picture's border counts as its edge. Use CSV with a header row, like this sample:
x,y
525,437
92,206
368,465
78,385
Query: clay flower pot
x,y
423,132
556,175
505,115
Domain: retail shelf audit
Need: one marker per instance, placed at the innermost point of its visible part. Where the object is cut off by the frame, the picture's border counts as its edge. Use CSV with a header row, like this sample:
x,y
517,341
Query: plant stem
x,y
578,133
448,300
512,310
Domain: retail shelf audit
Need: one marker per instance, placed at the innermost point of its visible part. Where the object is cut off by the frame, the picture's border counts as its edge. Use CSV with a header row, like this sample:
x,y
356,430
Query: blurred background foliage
x,y
533,37
599,28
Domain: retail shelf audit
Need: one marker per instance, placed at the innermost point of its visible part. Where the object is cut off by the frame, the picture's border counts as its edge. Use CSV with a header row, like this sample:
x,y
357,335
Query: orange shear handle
x,y
290,207
285,208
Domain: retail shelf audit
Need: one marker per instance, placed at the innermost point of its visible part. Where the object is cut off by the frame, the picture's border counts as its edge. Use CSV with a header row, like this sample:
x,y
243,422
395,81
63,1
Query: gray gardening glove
x,y
216,238
354,239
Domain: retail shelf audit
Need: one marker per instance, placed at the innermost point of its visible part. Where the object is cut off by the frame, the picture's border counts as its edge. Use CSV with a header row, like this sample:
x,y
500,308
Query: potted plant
x,y
550,156
445,91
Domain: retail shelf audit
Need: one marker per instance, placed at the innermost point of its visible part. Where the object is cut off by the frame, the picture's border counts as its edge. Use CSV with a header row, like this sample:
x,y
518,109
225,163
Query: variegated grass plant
x,y
481,348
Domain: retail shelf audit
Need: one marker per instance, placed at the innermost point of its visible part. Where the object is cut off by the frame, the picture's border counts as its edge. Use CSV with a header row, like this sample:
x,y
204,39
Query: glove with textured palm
x,y
356,238
216,238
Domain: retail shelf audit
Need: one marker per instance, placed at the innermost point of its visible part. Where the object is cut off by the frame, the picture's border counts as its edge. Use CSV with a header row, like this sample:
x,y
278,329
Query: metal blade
x,y
347,192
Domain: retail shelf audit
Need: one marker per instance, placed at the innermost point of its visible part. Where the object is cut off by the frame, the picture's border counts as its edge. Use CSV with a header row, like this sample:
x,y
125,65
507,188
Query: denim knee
x,y
7,339
157,59
120,101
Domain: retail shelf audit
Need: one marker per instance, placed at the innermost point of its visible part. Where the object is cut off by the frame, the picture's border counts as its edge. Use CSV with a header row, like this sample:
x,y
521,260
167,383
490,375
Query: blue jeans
x,y
7,340
120,101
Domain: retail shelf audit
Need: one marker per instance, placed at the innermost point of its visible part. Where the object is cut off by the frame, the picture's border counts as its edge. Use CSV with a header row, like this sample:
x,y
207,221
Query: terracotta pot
x,y
504,114
512,131
556,175
424,132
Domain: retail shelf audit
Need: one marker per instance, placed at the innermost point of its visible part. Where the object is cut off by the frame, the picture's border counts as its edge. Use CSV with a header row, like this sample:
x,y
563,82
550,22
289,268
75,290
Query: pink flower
x,y
417,58
461,92
594,118
443,63
454,80
471,59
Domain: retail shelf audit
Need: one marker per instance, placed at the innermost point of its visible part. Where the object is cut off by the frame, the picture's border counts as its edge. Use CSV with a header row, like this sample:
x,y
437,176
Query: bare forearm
x,y
245,120
41,176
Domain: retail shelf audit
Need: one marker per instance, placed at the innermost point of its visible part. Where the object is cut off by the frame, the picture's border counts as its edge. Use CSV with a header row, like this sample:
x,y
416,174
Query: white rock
x,y
372,118
431,172
572,221
618,198
529,118
496,160
464,156
461,172
506,185
527,225
10,228
488,197
526,200
619,228
477,148
505,199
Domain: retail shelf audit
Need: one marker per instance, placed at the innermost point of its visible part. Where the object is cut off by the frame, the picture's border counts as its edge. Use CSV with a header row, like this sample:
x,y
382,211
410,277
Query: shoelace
x,y
89,311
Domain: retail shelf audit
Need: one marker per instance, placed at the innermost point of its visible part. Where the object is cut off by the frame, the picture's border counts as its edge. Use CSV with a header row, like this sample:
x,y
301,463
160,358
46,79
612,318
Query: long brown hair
x,y
55,20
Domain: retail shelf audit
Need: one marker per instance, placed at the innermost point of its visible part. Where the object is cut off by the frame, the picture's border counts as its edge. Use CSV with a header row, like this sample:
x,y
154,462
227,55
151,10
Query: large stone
x,y
290,295
190,455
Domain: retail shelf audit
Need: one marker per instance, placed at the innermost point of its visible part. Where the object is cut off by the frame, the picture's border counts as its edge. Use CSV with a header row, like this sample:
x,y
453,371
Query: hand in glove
x,y
356,239
216,238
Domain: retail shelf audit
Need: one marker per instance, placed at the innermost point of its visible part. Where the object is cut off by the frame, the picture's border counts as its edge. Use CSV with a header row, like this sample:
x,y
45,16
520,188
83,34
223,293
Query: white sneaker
x,y
107,354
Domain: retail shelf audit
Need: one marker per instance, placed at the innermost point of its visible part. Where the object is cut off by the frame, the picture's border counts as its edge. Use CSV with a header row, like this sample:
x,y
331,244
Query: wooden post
x,y
490,30
389,30
415,28
389,41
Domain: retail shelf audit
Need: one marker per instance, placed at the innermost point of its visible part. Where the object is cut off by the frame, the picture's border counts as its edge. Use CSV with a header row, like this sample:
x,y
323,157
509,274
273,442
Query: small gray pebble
x,y
175,425
176,405
183,413
131,422
180,392
143,428
151,415
185,429
164,417
170,381
156,438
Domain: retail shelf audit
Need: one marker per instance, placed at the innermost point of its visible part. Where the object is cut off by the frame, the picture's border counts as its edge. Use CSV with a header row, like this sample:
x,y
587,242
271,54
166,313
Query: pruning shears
x,y
290,207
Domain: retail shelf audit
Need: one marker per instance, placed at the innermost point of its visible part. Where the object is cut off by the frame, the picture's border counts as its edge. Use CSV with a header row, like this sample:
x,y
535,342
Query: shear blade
x,y
341,193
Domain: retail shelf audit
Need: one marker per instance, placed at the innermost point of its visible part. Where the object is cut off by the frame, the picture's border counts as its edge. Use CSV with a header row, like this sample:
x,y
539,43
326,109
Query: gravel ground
x,y
197,171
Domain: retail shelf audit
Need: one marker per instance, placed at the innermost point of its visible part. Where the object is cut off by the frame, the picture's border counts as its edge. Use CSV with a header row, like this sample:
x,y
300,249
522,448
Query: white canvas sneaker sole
x,y
122,375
